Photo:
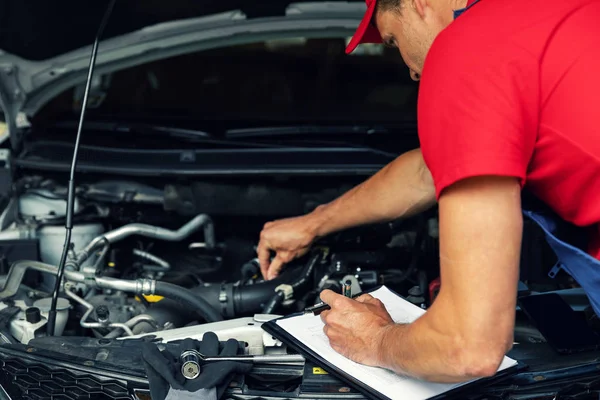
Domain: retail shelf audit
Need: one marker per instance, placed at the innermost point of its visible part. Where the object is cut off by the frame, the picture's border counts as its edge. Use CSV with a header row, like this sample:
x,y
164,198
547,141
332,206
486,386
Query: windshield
x,y
272,82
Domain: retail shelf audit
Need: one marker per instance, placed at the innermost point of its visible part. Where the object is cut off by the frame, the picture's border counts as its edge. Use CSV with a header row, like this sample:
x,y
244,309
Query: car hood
x,y
54,55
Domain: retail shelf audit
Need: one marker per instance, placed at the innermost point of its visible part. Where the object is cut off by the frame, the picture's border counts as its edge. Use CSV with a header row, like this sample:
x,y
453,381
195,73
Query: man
x,y
508,98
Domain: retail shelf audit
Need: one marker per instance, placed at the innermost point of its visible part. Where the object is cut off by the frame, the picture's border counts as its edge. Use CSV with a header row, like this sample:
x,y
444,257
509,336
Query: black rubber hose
x,y
304,279
275,302
308,271
250,269
234,300
252,298
187,298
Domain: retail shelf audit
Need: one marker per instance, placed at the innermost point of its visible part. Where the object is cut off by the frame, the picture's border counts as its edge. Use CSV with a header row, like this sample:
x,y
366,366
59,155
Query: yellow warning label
x,y
319,371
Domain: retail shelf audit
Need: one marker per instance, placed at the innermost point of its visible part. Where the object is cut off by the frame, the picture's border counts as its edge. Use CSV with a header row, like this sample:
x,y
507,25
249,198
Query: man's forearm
x,y
428,351
401,189
469,327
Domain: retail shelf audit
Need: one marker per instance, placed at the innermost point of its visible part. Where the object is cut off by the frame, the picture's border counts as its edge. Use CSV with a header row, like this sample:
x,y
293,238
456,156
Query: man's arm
x,y
402,188
469,328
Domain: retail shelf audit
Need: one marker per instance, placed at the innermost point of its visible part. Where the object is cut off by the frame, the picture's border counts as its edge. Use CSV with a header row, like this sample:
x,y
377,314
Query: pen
x,y
322,306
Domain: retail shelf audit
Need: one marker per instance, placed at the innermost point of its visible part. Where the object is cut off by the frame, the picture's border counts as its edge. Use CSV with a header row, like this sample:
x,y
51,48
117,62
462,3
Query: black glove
x,y
164,368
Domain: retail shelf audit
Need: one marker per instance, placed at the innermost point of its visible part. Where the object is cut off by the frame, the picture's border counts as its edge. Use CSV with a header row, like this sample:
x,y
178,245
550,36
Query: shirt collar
x,y
458,12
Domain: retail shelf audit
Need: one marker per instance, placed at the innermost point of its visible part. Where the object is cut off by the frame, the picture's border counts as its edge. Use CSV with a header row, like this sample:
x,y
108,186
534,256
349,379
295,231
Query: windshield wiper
x,y
196,136
316,136
137,127
305,130
311,136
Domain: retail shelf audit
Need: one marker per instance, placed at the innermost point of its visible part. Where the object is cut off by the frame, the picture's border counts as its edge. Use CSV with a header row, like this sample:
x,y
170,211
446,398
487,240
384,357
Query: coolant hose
x,y
234,300
150,231
279,296
19,268
177,293
304,278
187,298
275,302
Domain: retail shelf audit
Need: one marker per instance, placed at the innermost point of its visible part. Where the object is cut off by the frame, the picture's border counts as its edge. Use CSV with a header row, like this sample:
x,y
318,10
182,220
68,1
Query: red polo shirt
x,y
512,88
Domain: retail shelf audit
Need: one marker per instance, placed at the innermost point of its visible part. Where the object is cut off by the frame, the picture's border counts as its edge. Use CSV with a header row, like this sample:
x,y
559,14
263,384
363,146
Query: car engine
x,y
168,259
177,259
164,259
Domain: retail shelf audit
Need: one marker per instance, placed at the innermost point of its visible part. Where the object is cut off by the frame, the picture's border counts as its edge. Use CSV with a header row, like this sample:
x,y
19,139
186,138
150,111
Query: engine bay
x,y
158,258
145,259
168,260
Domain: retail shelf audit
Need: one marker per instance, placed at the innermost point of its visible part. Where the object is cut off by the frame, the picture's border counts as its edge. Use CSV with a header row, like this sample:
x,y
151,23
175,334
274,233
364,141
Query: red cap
x,y
366,32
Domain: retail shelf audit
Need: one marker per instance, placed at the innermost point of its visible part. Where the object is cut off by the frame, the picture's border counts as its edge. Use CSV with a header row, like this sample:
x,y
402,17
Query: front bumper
x,y
73,368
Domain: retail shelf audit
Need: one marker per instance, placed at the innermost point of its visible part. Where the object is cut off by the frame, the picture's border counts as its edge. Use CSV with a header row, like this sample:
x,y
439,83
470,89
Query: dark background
x,y
38,29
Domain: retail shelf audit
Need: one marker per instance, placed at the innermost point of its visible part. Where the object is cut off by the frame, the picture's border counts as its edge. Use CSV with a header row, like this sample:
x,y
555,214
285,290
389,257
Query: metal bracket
x,y
354,281
12,98
9,82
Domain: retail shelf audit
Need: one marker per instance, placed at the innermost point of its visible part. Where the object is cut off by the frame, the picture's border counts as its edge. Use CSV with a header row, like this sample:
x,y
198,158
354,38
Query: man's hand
x,y
402,188
289,238
469,328
354,326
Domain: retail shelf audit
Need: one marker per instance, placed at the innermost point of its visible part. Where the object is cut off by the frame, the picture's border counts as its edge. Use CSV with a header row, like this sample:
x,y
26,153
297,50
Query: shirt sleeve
x,y
478,110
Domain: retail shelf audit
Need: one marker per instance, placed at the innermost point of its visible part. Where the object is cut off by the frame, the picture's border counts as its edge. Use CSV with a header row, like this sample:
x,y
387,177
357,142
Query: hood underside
x,y
39,30
51,52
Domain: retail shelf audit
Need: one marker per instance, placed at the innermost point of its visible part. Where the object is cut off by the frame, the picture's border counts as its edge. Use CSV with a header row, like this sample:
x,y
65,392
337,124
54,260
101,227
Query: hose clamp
x,y
223,299
287,290
146,286
222,294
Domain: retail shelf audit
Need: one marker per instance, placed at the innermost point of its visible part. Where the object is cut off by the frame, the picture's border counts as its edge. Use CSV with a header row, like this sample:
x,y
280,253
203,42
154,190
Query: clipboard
x,y
290,340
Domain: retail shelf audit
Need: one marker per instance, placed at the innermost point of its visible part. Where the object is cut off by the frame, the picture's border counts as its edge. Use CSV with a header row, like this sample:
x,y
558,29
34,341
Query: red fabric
x,y
366,31
511,88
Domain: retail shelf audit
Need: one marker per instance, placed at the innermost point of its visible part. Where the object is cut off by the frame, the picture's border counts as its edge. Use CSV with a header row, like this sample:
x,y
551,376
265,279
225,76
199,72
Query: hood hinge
x,y
12,98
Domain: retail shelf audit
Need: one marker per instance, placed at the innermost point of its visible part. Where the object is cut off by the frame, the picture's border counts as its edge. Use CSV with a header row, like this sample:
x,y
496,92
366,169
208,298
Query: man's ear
x,y
420,6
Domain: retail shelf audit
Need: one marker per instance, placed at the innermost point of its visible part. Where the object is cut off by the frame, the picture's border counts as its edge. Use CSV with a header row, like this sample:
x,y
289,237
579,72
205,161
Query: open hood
x,y
51,52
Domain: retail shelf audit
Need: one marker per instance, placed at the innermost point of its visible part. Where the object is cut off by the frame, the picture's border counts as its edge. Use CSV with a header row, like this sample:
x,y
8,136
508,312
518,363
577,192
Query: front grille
x,y
27,381
86,368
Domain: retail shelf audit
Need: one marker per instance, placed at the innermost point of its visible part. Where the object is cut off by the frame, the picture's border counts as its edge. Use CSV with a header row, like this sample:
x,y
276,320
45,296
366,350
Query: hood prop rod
x,y
71,187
